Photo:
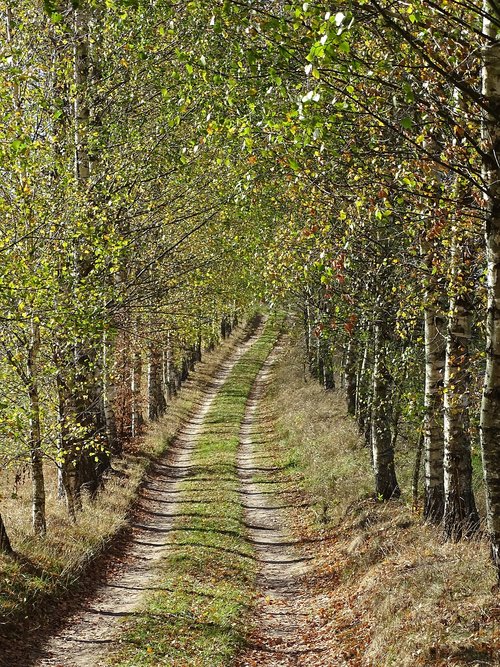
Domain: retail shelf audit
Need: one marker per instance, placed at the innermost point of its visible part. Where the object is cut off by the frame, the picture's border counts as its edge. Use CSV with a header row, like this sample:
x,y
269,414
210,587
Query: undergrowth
x,y
391,591
43,570
198,615
317,436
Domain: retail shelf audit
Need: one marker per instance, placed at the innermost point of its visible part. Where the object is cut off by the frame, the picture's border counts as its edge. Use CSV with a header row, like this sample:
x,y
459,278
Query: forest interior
x,y
249,333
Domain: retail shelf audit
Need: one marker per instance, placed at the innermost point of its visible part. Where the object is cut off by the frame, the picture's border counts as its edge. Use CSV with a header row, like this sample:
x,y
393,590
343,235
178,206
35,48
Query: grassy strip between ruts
x,y
205,588
46,569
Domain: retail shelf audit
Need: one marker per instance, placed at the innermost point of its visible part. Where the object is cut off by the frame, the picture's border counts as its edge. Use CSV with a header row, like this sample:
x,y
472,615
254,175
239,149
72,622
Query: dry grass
x,y
45,568
320,438
427,602
390,591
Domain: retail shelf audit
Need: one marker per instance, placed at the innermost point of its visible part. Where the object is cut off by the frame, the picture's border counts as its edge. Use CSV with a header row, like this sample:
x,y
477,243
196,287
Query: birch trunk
x,y
191,354
490,407
170,370
386,485
156,399
68,473
199,345
319,365
435,346
184,367
225,327
36,458
137,417
329,377
109,397
350,377
136,389
5,546
416,469
91,462
460,513
311,360
342,365
323,360
307,332
165,375
69,477
431,249
326,355
153,362
35,435
364,392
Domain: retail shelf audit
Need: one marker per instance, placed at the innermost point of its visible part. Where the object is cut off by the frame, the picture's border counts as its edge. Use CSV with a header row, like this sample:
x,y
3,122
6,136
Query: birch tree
x,y
490,407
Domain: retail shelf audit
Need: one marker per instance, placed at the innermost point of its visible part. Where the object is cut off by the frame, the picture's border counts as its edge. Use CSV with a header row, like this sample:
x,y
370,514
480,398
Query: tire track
x,y
282,617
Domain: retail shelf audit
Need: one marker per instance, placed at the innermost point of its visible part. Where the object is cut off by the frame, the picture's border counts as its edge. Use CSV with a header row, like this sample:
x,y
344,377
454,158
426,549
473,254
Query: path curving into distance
x,y
89,634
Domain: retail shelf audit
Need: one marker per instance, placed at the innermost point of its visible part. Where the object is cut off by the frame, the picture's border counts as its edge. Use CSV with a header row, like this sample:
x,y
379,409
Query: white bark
x,y
490,407
364,389
433,420
460,513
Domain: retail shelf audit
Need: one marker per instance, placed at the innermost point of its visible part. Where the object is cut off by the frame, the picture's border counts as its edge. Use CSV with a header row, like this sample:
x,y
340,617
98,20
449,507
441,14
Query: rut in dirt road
x,y
89,634
280,637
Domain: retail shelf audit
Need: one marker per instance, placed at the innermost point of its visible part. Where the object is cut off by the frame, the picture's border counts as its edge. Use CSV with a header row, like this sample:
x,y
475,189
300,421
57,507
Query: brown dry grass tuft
x,y
428,602
389,591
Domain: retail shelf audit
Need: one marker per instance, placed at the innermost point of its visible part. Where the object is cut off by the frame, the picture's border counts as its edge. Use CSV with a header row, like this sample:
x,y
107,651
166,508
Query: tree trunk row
x,y
371,395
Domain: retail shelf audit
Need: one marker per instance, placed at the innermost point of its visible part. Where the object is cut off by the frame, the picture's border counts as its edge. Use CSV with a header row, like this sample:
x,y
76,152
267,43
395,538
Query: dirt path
x,y
280,637
90,633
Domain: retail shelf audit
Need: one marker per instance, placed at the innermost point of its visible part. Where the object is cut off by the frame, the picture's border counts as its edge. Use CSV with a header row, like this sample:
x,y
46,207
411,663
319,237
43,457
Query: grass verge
x,y
46,569
198,615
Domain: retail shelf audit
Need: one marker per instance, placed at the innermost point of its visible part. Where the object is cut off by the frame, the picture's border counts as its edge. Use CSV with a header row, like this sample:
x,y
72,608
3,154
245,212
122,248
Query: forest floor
x,y
253,546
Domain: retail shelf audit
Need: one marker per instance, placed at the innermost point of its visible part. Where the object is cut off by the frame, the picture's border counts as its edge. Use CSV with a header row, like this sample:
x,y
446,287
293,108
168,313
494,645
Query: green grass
x,y
198,615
